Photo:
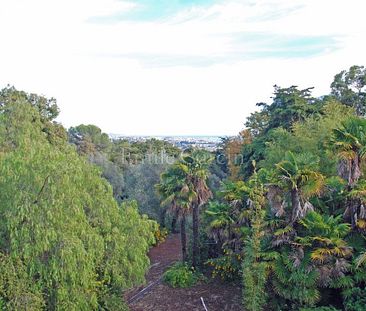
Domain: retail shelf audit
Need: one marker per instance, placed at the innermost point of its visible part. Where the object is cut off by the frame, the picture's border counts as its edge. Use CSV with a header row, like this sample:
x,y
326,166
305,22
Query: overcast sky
x,y
174,67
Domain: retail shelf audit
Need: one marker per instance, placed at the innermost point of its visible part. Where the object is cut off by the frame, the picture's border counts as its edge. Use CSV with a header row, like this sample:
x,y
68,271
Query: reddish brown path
x,y
157,296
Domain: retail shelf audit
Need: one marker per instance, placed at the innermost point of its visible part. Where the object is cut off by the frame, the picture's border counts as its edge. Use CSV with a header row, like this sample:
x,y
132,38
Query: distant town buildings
x,y
209,143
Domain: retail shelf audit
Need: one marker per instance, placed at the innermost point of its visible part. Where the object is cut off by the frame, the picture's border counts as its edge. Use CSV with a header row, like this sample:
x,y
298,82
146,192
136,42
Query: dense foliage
x,y
291,220
65,244
282,209
132,168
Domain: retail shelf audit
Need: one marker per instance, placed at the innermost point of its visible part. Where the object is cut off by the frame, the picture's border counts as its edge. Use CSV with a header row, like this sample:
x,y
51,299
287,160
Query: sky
x,y
174,67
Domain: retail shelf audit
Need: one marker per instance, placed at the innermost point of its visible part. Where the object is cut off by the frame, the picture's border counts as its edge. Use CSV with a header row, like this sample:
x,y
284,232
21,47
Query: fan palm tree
x,y
227,218
197,172
298,174
177,194
323,236
350,144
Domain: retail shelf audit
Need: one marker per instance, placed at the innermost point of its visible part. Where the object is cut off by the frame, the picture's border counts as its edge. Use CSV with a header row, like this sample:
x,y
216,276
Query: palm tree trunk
x,y
352,211
183,237
162,217
195,246
174,222
296,205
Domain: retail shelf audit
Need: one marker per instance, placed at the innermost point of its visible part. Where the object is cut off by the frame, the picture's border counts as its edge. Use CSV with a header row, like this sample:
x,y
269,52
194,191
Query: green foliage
x,y
300,180
309,136
140,181
132,168
64,240
184,189
300,172
16,289
351,135
89,138
355,299
295,281
254,267
290,105
307,243
47,108
181,275
349,87
125,153
227,267
223,223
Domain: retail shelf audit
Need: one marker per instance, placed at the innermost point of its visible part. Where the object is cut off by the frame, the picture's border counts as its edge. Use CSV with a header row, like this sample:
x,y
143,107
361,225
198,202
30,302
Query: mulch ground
x,y
156,296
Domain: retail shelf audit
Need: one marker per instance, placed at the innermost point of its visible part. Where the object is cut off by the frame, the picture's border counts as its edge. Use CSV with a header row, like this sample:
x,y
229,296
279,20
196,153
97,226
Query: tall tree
x,y
291,105
197,166
350,144
349,87
178,195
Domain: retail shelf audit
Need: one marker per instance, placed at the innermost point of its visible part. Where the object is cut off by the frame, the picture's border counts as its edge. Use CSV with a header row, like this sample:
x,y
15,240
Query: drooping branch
x,y
42,189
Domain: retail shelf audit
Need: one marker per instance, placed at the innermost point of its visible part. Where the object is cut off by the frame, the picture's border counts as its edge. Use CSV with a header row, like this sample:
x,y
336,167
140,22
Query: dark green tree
x,y
349,87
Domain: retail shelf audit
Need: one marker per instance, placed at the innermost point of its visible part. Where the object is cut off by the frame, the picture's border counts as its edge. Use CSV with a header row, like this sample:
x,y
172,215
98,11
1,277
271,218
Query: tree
x,y
178,194
197,167
324,237
65,244
349,87
140,181
289,106
46,107
232,147
350,144
89,138
257,122
298,173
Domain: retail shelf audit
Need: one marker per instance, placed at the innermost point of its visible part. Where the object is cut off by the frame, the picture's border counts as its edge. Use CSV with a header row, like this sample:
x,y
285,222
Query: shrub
x,y
160,235
181,275
227,267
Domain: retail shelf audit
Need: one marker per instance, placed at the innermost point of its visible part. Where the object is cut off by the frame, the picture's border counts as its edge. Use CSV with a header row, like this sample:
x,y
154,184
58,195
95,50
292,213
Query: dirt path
x,y
159,297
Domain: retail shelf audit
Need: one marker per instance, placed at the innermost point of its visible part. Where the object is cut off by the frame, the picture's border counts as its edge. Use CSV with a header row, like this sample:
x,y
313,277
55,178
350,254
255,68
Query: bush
x,y
181,275
160,235
227,267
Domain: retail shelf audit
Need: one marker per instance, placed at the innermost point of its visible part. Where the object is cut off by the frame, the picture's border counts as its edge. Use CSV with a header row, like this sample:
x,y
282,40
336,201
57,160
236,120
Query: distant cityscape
x,y
209,143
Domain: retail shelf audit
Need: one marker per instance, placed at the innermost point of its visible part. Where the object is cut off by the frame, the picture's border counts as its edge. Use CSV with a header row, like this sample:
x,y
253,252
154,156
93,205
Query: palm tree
x,y
177,194
298,174
197,168
324,237
227,217
350,144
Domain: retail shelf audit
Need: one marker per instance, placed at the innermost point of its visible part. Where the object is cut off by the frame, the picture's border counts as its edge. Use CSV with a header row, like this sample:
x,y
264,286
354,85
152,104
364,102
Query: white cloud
x,y
98,71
